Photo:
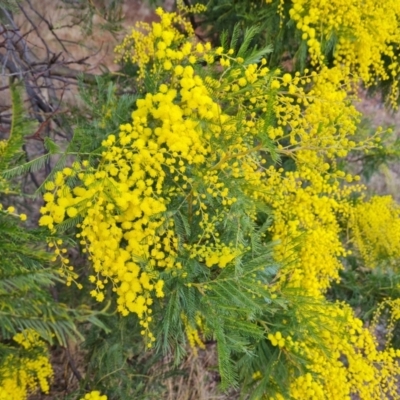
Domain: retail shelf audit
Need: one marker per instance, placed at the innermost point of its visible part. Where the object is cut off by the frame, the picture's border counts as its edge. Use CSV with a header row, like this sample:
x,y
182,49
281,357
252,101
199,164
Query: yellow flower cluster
x,y
157,160
65,270
366,35
192,332
190,9
307,202
376,230
23,376
11,211
390,319
276,339
310,205
94,395
198,142
141,49
343,357
307,205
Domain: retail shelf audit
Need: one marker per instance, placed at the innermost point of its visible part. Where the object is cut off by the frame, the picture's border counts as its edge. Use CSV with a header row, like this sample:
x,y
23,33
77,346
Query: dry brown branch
x,y
41,75
33,52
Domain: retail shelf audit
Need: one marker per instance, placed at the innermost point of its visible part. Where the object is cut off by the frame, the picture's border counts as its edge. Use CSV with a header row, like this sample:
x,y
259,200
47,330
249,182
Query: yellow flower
x,y
94,395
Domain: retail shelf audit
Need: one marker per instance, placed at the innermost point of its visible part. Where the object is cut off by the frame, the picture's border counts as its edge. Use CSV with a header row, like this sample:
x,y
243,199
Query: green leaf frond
x,y
20,127
32,166
25,280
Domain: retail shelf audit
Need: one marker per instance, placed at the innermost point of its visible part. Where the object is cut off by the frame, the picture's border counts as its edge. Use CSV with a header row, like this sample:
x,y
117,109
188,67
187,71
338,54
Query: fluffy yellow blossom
x,y
32,373
367,36
94,395
159,38
338,367
376,230
192,333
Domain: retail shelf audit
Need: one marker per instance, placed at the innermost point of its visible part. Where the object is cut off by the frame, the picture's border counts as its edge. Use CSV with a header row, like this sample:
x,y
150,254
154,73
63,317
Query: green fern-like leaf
x,y
20,127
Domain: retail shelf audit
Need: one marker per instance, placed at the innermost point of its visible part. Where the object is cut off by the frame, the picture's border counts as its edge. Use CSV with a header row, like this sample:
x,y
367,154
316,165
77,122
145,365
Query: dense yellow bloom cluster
x,y
22,376
199,141
192,332
308,201
307,229
94,395
343,356
156,43
157,160
366,34
392,317
376,230
180,134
